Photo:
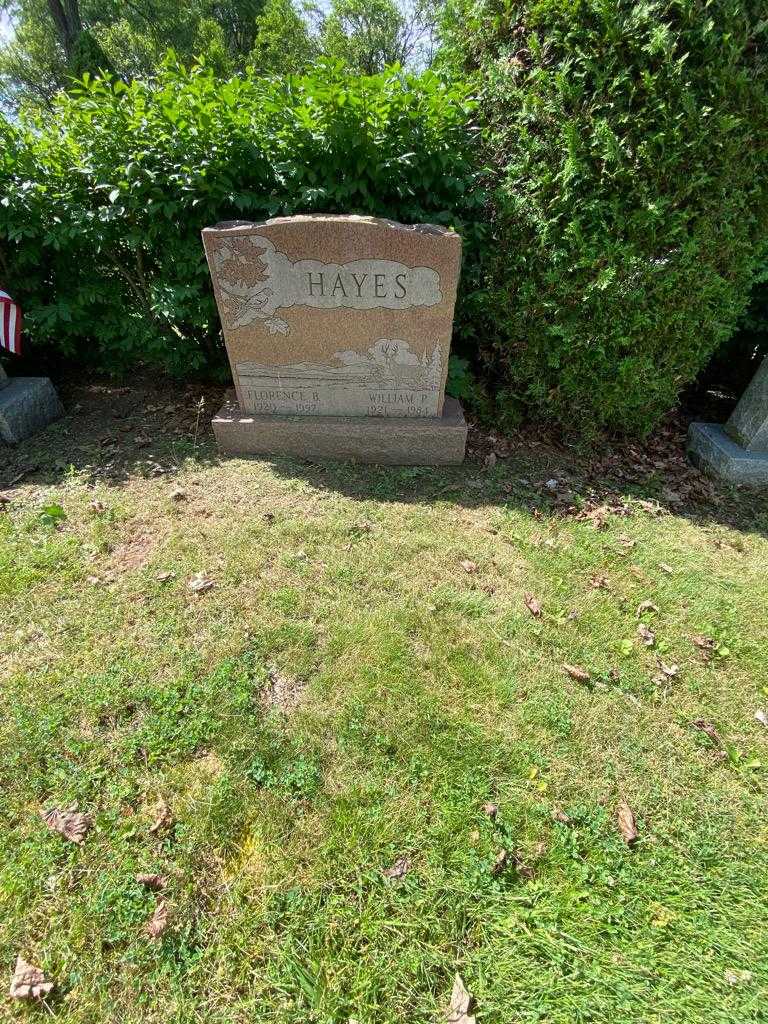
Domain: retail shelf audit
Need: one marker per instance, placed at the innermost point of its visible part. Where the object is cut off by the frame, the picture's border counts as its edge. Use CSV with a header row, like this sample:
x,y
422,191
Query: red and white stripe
x,y
10,324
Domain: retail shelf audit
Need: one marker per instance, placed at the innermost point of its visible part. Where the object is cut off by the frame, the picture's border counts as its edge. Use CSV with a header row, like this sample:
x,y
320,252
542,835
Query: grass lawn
x,y
361,679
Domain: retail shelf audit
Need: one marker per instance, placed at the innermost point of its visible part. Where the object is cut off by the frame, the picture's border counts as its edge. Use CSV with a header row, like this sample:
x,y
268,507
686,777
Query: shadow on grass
x,y
114,432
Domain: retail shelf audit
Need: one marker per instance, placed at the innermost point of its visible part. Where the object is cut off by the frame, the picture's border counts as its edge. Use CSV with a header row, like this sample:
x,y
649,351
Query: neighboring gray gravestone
x,y
338,332
738,451
27,404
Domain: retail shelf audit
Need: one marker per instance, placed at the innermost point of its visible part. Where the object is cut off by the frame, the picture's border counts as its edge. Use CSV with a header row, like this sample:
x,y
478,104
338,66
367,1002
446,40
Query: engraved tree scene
x,y
246,277
389,364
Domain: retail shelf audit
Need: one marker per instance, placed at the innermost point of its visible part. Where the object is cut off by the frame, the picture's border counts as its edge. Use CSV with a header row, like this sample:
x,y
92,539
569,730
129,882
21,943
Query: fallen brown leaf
x,y
559,815
499,862
599,582
706,645
575,672
159,920
72,824
460,1005
645,606
398,870
646,635
178,494
153,882
163,816
163,577
533,605
670,671
706,727
627,824
28,981
468,565
200,583
491,810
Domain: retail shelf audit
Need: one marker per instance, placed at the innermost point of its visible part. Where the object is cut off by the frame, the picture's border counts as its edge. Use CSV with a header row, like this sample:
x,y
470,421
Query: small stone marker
x,y
338,331
27,404
737,452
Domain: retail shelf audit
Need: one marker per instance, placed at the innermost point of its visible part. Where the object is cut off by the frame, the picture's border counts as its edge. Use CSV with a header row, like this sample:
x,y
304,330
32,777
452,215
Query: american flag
x,y
10,324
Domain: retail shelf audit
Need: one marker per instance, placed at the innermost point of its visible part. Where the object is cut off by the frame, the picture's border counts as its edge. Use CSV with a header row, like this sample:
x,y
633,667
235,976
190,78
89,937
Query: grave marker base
x,y
394,441
713,451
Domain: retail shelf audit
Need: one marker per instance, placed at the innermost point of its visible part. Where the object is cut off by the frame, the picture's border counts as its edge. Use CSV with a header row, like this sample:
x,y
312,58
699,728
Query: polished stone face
x,y
336,315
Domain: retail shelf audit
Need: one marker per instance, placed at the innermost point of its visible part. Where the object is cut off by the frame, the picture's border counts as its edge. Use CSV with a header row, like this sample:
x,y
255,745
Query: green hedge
x,y
629,147
103,202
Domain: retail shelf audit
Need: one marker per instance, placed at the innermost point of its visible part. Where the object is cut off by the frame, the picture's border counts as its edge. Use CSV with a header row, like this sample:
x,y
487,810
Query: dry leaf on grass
x,y
627,824
737,977
460,1005
72,824
28,981
762,718
599,583
666,568
200,583
491,810
163,577
153,882
163,816
667,672
704,643
559,815
398,870
178,494
575,672
646,635
499,862
706,727
159,920
468,565
533,605
645,606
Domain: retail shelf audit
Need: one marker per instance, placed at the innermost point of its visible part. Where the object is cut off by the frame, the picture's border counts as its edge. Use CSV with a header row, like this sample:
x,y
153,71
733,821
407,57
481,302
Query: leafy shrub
x,y
629,147
103,202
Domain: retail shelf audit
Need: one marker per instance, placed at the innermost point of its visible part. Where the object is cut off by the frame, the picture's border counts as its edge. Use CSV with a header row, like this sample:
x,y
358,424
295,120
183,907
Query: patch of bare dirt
x,y
281,692
135,553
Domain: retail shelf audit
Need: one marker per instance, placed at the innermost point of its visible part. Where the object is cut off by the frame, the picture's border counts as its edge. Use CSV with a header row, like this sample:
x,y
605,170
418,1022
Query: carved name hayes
x,y
345,283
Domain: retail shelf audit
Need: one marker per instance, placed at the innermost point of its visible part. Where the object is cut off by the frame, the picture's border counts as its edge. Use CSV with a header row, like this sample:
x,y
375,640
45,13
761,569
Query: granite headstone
x,y
338,332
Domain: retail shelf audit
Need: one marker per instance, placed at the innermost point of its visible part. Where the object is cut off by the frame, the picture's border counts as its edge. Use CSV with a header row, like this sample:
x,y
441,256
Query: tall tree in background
x,y
283,44
367,35
56,40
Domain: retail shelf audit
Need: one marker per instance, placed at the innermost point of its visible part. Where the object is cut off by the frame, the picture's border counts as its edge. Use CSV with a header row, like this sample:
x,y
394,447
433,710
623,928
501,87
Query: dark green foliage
x,y
103,203
630,151
88,57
